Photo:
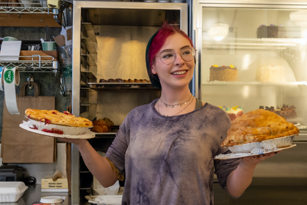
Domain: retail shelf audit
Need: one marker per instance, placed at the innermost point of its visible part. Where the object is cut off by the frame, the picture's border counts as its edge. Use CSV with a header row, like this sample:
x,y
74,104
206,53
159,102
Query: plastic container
x,y
11,191
51,200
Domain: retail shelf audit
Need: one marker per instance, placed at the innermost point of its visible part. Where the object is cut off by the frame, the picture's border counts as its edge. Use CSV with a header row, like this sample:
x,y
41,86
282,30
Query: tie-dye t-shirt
x,y
169,160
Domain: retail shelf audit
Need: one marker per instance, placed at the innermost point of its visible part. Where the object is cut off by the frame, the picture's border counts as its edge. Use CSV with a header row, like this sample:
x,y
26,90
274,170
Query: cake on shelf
x,y
223,73
271,31
233,112
286,111
271,74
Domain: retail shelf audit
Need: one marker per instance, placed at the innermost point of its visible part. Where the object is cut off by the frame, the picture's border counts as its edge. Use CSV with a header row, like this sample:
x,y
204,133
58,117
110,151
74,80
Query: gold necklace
x,y
177,112
178,104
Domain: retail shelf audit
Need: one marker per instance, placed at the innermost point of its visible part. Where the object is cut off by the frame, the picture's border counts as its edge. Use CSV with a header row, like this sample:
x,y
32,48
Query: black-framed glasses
x,y
168,56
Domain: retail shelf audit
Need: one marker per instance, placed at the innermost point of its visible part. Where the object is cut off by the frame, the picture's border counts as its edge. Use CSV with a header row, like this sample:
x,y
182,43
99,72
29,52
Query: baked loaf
x,y
256,126
58,118
102,125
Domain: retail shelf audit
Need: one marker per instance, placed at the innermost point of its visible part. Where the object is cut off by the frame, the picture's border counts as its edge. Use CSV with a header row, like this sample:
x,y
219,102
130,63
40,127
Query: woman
x,y
166,149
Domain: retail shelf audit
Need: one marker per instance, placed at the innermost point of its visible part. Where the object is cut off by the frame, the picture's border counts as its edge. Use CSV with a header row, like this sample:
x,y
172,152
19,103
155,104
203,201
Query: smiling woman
x,y
165,149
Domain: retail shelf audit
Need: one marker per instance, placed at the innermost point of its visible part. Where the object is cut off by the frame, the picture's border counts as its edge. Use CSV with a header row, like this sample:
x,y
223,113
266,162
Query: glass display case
x,y
253,55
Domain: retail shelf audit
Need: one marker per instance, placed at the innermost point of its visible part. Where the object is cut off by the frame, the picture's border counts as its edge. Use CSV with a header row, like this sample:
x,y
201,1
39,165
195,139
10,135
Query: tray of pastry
x,y
121,83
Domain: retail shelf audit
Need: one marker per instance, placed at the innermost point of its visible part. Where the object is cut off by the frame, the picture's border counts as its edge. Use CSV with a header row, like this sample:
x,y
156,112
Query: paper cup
x,y
49,46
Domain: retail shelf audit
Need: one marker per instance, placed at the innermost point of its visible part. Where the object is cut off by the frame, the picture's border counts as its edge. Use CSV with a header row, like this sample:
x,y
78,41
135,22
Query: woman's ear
x,y
153,70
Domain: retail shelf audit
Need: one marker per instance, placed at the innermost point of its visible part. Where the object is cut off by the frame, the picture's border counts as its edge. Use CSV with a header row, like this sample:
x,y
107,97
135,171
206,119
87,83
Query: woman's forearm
x,y
239,179
98,165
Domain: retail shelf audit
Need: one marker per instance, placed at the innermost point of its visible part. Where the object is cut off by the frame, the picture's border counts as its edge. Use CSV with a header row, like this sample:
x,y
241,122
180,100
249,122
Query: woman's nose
x,y
178,59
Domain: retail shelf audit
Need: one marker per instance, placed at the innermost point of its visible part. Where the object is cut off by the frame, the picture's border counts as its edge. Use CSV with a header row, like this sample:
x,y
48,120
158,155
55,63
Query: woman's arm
x,y
239,179
99,166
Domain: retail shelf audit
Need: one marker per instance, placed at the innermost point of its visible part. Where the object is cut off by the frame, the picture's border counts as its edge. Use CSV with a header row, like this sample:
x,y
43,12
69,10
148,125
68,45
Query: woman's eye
x,y
165,56
186,52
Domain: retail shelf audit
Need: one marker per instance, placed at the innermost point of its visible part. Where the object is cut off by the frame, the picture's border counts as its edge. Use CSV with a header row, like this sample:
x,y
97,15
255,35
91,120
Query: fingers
x,y
262,156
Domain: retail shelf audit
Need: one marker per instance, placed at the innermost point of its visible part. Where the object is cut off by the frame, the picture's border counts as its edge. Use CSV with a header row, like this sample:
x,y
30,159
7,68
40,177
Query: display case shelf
x,y
252,83
121,86
254,43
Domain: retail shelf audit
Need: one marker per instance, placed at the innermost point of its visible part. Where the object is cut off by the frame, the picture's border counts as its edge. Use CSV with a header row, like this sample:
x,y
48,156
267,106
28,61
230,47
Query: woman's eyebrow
x,y
167,50
187,46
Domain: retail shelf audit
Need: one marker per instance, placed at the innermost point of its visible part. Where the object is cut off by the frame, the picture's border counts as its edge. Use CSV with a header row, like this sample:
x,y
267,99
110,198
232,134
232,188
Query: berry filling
x,y
56,131
34,127
67,113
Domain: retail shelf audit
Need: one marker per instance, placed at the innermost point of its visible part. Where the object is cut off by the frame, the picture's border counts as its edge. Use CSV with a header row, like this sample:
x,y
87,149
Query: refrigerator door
x,y
252,55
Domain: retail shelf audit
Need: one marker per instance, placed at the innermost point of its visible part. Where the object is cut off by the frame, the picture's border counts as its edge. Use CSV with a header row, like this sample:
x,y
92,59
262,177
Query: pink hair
x,y
160,38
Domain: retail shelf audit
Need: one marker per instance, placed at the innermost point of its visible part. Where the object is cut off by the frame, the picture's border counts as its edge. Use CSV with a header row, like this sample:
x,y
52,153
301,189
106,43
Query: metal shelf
x,y
252,83
25,10
32,65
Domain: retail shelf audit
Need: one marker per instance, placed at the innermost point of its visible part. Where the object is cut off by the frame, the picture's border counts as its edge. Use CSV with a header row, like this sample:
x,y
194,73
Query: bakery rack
x,y
253,43
43,64
25,7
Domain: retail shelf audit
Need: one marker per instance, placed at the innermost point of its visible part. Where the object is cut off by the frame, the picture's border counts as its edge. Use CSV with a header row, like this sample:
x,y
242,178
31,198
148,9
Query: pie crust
x,y
59,118
257,126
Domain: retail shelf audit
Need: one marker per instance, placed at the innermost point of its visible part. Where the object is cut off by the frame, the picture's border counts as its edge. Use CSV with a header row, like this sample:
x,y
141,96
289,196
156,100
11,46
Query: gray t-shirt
x,y
169,160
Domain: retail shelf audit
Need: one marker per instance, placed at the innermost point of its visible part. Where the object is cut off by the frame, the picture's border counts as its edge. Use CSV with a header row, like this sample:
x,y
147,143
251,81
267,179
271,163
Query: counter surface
x,y
34,194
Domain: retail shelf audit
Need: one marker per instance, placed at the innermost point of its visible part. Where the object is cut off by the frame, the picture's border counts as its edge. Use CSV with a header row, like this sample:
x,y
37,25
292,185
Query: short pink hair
x,y
160,38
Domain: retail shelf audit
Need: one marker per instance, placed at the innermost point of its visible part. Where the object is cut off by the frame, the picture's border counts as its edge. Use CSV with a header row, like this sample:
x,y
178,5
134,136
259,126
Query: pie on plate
x,y
58,118
56,123
259,129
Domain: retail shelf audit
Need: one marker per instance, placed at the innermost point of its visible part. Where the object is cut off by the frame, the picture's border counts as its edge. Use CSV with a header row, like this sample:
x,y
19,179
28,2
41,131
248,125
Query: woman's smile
x,y
180,73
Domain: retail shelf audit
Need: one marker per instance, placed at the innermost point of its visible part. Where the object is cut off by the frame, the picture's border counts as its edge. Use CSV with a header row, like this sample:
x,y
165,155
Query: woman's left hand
x,y
251,162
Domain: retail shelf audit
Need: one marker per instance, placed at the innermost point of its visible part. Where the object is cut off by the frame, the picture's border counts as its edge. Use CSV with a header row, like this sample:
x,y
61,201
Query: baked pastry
x,y
102,125
111,80
257,126
286,111
102,81
271,74
58,118
271,31
233,112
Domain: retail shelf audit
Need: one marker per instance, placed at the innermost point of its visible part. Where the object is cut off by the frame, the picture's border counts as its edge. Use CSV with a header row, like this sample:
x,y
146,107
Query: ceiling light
x,y
219,31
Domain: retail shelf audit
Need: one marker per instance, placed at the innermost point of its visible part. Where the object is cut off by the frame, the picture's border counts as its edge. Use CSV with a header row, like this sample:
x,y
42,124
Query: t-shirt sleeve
x,y
116,152
224,167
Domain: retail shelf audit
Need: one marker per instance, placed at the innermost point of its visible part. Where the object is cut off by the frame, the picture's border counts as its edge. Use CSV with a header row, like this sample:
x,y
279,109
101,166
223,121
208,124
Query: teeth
x,y
179,72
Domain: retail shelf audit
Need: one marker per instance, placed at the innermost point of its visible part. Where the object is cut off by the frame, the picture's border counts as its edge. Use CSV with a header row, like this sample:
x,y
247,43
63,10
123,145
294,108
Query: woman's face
x,y
180,72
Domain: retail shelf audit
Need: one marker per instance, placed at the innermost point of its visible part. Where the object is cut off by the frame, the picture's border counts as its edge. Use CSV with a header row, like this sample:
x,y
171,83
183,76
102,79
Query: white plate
x,y
88,135
240,155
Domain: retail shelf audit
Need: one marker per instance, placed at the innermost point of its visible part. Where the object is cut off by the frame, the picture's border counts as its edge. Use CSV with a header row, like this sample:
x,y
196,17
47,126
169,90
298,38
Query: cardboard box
x,y
48,183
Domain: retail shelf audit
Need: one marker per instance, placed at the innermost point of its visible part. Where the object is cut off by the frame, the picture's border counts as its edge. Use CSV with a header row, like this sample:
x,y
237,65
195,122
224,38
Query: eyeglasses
x,y
168,56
